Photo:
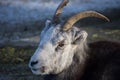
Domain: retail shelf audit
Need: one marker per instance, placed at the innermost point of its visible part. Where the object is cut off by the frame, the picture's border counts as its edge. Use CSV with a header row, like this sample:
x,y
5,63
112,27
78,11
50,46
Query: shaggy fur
x,y
101,62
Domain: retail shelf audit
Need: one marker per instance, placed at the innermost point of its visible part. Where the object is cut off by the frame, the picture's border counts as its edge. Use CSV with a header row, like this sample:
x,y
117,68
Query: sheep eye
x,y
61,45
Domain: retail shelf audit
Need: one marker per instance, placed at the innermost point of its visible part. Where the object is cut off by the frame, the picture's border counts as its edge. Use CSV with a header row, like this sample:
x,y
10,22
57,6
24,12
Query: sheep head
x,y
59,42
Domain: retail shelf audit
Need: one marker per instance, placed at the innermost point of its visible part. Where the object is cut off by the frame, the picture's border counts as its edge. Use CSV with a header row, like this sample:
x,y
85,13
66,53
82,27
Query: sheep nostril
x,y
33,63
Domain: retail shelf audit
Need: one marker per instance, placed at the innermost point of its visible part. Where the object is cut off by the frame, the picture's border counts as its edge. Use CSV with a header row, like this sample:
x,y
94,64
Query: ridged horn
x,y
72,20
59,10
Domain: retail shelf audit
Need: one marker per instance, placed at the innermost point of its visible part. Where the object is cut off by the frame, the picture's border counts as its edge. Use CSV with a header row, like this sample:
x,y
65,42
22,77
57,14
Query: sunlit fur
x,y
58,60
77,60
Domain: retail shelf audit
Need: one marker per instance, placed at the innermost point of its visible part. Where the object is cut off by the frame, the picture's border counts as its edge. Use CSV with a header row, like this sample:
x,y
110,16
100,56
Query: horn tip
x,y
108,19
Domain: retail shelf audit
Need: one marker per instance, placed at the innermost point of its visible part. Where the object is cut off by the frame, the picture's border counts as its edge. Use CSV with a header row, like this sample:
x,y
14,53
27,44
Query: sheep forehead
x,y
54,35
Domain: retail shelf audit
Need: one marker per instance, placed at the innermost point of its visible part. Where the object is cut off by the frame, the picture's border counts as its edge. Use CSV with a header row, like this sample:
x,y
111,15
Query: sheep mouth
x,y
35,69
38,71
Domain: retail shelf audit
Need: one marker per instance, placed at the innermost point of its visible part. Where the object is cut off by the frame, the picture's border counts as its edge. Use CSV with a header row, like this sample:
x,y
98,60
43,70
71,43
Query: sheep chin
x,y
39,72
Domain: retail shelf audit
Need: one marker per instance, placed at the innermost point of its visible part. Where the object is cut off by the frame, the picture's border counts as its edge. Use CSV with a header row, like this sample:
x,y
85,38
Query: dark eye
x,y
60,45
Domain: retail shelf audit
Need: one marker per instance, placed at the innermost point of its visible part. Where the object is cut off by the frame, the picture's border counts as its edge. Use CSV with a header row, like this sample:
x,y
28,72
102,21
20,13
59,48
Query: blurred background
x,y
21,22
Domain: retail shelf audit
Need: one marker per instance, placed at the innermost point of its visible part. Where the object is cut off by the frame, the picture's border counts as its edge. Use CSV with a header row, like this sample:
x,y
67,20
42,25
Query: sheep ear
x,y
47,26
80,36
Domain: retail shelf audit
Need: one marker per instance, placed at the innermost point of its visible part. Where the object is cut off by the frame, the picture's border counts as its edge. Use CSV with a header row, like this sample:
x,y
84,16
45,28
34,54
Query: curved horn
x,y
59,10
71,21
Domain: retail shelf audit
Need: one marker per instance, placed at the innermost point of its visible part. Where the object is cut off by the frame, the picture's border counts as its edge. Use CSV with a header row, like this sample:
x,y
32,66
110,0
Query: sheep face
x,y
56,49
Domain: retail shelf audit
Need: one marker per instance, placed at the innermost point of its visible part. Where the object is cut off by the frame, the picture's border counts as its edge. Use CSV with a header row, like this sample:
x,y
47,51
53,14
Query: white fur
x,y
46,55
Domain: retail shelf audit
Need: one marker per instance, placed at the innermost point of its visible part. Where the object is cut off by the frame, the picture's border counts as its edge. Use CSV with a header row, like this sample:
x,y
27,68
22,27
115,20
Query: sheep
x,y
64,54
